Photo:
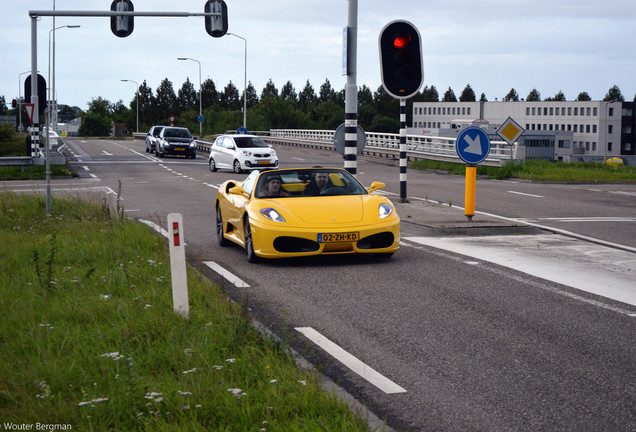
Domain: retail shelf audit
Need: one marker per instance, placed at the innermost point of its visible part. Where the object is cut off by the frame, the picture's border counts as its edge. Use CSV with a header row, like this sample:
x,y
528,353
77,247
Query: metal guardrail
x,y
388,145
16,161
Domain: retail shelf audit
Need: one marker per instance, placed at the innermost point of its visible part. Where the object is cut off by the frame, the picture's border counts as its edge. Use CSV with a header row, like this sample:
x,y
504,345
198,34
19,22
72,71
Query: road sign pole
x,y
403,160
469,195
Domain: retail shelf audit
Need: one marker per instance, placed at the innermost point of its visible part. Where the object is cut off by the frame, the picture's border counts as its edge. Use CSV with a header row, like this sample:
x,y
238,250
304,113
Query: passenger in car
x,y
273,188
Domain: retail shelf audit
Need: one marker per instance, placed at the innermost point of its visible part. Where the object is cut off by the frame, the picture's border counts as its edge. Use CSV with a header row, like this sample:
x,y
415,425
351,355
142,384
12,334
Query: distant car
x,y
285,213
241,152
176,141
151,138
614,161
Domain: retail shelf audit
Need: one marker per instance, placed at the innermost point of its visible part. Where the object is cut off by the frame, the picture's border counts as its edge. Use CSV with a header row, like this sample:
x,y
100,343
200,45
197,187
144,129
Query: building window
x,y
463,110
575,128
576,111
468,110
569,127
610,129
569,111
587,128
545,110
609,146
587,146
595,111
611,112
588,111
593,128
527,110
594,146
533,110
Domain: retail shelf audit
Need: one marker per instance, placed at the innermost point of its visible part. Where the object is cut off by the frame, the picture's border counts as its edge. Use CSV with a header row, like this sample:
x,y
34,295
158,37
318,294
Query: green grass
x,y
537,170
89,338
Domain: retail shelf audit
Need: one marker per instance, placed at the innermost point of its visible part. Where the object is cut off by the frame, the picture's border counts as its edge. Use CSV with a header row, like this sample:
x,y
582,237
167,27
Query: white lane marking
x,y
524,280
226,274
526,194
86,168
106,153
156,227
587,219
92,175
595,269
365,371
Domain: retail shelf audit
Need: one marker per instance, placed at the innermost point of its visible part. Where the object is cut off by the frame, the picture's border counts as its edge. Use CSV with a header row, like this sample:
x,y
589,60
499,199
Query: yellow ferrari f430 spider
x,y
305,211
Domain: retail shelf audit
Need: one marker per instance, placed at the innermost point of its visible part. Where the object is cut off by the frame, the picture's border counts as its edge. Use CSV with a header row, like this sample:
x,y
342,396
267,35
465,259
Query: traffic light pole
x,y
34,15
403,161
351,92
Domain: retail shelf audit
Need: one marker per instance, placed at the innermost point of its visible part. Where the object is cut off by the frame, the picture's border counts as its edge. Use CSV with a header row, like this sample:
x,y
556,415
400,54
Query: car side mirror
x,y
376,186
237,190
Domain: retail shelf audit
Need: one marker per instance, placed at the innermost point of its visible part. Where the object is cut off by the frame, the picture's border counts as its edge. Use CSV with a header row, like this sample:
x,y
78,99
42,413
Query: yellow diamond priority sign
x,y
510,131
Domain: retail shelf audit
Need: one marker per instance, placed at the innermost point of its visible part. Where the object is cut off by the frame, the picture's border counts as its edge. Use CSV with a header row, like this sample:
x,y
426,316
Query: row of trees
x,y
273,109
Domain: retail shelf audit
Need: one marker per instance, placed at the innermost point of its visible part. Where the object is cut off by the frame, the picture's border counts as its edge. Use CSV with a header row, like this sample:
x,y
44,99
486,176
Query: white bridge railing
x,y
417,146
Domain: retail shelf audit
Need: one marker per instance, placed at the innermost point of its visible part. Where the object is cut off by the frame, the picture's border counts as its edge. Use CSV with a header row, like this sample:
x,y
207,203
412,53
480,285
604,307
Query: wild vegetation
x,y
89,338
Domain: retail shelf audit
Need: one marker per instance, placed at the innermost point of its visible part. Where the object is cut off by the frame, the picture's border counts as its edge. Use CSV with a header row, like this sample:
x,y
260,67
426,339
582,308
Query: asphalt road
x,y
445,342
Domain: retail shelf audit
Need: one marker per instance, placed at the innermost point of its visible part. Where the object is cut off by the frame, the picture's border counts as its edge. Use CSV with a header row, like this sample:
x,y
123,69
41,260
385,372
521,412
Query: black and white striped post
x,y
350,55
403,158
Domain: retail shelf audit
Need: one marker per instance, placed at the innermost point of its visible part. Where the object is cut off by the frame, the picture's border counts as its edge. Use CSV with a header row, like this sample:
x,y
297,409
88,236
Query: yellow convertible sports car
x,y
306,211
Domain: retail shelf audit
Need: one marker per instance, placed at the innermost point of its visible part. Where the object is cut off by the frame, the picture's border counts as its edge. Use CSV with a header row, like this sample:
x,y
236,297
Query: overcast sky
x,y
494,45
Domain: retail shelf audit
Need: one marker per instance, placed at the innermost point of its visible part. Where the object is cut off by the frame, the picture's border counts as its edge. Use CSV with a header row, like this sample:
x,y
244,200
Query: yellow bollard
x,y
469,197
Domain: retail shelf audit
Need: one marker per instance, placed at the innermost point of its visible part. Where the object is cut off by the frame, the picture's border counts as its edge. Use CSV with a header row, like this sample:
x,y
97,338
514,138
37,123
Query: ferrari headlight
x,y
272,214
384,210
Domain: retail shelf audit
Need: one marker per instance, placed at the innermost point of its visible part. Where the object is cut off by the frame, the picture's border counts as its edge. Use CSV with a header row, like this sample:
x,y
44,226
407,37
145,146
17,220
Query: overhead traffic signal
x,y
216,26
14,103
41,92
401,59
122,25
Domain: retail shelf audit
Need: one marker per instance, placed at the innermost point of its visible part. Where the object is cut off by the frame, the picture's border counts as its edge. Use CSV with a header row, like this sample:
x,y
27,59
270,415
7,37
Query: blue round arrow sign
x,y
472,145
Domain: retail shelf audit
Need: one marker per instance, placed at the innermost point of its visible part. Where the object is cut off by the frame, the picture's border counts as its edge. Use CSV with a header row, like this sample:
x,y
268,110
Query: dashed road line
x,y
353,363
230,277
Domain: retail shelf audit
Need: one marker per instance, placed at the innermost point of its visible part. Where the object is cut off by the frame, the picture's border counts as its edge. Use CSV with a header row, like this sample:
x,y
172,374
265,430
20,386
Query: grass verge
x,y
89,339
537,170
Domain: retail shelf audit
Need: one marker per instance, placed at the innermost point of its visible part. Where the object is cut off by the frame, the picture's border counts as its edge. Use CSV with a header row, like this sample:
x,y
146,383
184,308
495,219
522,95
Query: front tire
x,y
249,242
222,241
212,165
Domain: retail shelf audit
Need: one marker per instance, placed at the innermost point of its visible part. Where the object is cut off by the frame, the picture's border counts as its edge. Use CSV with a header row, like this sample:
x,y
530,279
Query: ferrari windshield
x,y
307,183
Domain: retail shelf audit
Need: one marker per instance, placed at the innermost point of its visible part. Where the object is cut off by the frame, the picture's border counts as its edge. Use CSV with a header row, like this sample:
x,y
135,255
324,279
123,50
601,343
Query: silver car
x,y
241,153
151,138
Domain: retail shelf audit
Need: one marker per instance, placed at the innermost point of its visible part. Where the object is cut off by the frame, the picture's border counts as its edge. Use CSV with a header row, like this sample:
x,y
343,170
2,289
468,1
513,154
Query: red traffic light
x,y
402,41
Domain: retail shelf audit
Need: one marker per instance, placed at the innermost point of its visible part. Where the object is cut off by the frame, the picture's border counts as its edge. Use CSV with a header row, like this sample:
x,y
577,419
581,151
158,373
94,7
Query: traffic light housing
x,y
216,26
401,59
41,92
122,26
14,103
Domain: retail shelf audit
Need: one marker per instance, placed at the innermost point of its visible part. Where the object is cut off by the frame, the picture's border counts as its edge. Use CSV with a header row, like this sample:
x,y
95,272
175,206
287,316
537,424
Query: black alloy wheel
x,y
249,242
222,241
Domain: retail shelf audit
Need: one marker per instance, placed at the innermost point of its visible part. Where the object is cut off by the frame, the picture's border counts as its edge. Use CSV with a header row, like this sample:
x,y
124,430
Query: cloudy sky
x,y
493,45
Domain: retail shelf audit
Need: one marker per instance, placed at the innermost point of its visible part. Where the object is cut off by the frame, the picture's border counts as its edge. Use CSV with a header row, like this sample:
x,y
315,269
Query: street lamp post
x,y
244,82
126,80
200,95
48,121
